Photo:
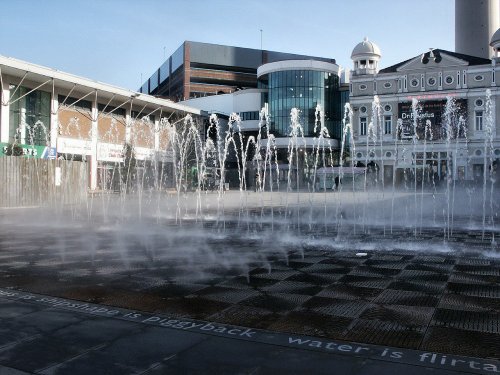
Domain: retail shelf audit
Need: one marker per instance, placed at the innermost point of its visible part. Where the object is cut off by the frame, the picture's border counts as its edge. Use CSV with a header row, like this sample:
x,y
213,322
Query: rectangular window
x,y
29,116
362,125
478,120
387,124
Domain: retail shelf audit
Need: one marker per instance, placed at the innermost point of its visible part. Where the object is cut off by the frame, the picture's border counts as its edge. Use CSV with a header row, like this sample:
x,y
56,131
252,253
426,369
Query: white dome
x,y
364,48
495,39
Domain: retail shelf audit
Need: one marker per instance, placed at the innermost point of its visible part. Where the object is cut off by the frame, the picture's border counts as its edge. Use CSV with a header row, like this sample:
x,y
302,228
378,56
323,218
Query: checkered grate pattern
x,y
446,302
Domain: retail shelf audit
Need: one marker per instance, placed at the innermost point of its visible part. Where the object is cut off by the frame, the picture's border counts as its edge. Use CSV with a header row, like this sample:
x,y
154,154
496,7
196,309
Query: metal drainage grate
x,y
416,316
407,298
244,316
337,307
422,275
488,291
465,278
460,342
473,262
429,259
317,279
468,320
385,333
470,303
293,287
478,270
379,270
429,287
229,295
381,259
349,292
279,302
431,267
312,324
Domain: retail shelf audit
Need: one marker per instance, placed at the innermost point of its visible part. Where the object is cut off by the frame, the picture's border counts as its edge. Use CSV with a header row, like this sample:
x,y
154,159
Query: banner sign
x,y
31,151
431,124
110,152
74,146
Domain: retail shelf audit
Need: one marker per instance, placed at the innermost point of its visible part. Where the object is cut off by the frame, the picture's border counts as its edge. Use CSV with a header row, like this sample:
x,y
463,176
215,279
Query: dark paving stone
x,y
217,356
11,309
131,353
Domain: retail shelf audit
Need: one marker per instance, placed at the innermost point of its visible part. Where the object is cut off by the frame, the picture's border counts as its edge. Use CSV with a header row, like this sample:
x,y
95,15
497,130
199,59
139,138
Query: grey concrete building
x,y
475,23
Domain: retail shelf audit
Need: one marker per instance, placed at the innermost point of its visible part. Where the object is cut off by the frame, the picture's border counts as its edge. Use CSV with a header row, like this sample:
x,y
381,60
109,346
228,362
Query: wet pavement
x,y
404,292
47,335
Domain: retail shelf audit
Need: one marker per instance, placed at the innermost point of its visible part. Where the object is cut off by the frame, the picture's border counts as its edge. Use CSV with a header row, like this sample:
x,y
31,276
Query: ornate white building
x,y
434,116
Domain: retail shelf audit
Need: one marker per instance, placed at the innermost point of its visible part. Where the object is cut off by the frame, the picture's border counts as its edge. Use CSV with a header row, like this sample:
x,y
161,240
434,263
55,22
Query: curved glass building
x,y
301,84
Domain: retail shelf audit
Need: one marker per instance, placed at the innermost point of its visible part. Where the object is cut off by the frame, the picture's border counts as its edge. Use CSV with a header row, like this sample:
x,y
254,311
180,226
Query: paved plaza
x,y
421,296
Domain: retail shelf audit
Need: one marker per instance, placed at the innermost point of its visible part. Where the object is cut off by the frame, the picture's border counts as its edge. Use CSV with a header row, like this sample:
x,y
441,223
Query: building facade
x,y
201,69
46,113
313,87
430,118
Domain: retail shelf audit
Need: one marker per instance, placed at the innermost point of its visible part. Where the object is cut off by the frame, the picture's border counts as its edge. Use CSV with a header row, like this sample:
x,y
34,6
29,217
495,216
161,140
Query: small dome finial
x,y
365,39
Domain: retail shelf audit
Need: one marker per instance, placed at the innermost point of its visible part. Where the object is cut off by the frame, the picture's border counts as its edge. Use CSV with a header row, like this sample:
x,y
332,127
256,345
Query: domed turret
x,y
366,47
365,57
495,43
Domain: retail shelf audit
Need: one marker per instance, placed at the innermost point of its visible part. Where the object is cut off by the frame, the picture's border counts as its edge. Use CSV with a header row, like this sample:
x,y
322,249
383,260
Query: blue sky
x,y
115,41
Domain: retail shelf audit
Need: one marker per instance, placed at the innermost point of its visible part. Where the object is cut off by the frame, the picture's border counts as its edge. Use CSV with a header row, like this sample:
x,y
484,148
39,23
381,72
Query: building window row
x,y
363,125
247,116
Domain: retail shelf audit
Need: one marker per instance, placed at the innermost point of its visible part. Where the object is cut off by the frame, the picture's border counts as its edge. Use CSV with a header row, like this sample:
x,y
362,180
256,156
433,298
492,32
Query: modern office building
x,y
305,84
47,113
437,114
201,69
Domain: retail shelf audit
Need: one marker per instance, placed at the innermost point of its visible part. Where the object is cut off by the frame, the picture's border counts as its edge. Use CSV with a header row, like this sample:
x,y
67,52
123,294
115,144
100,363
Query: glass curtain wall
x,y
29,116
303,89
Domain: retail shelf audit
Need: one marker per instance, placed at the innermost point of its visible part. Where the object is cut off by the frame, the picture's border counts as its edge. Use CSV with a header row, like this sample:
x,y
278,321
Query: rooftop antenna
x,y
260,38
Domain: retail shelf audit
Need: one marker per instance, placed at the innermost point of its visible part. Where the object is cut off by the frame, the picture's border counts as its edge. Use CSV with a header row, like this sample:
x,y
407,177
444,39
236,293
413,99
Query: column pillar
x,y
54,120
4,113
93,155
